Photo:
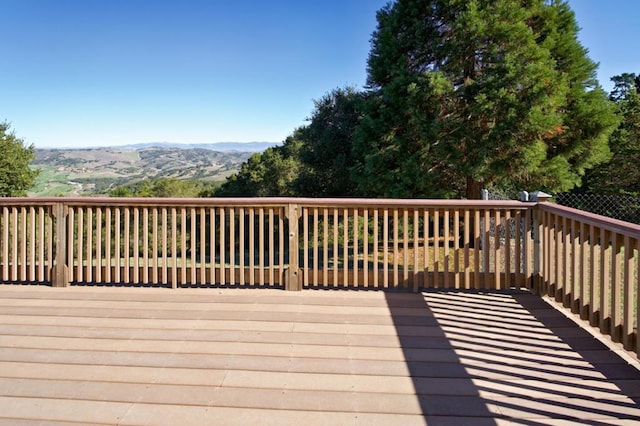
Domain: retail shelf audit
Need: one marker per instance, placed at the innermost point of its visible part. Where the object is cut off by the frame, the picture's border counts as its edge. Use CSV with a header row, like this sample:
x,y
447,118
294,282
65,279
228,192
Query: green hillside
x,y
94,171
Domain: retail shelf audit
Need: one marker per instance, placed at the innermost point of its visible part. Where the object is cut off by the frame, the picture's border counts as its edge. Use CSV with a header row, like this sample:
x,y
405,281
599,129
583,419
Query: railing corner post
x,y
60,270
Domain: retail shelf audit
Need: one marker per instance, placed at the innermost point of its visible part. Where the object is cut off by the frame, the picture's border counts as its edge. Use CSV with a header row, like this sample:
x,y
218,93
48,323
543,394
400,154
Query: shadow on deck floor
x,y
263,356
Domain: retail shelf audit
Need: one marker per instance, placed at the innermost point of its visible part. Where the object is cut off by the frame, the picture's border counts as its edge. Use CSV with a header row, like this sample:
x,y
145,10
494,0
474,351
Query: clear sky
x,y
81,73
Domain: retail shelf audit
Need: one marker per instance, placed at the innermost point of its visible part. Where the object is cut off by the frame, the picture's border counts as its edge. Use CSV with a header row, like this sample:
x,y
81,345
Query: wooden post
x,y
60,272
536,274
292,281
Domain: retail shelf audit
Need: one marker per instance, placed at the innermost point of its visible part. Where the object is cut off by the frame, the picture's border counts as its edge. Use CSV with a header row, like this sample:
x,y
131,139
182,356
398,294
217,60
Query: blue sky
x,y
80,73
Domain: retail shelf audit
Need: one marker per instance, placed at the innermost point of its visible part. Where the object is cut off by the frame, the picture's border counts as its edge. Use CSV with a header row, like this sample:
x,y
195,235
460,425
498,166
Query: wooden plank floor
x,y
255,356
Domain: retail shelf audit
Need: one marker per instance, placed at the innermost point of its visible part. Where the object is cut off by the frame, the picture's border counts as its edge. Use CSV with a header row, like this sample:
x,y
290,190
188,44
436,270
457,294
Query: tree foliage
x,y
621,175
267,174
313,162
480,92
16,177
326,153
462,94
163,188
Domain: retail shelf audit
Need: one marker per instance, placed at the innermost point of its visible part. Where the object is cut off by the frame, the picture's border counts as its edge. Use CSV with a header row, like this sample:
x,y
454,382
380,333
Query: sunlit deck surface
x,y
99,355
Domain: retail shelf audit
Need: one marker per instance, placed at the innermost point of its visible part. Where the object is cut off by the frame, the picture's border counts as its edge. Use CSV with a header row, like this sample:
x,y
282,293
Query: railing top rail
x,y
610,224
269,201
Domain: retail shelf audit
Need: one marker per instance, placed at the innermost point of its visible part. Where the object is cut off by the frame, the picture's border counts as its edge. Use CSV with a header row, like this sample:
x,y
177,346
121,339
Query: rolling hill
x,y
94,171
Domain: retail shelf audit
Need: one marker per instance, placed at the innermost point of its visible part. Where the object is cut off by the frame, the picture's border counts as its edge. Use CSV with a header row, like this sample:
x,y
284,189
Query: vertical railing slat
x,y
456,248
23,239
405,248
356,248
305,247
558,288
6,261
232,246
98,230
135,248
107,243
174,247
617,266
628,283
478,248
486,250
261,244
583,273
336,251
182,257
203,245
436,249
566,266
593,276
425,245
89,244
605,268
345,247
71,244
42,226
31,234
528,248
396,253
575,265
212,245
281,248
126,249
191,252
446,243
376,243
252,248
222,224
145,245
316,228
385,247
80,245
466,246
164,245
506,283
498,247
415,277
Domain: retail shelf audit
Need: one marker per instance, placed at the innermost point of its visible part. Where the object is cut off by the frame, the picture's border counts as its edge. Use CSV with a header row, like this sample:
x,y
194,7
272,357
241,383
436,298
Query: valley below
x,y
95,171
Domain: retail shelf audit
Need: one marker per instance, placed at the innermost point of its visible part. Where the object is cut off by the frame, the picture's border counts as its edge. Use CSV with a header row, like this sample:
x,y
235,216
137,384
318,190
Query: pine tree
x,y
621,175
477,93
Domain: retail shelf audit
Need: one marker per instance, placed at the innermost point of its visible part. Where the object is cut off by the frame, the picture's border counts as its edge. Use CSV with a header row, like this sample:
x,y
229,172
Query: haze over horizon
x,y
94,74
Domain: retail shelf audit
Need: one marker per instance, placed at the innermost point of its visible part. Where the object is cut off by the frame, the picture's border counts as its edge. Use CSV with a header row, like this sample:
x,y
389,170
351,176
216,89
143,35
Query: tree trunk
x,y
474,189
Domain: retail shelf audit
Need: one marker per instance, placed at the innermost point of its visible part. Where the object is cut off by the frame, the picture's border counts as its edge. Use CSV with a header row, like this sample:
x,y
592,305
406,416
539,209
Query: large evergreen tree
x,y
476,93
16,177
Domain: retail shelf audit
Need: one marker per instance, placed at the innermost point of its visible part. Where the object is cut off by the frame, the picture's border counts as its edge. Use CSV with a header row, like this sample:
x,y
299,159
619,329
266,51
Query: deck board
x,y
102,355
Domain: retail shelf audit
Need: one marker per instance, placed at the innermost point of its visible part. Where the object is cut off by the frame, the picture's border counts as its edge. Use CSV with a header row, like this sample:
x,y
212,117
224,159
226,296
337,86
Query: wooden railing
x,y
293,243
587,262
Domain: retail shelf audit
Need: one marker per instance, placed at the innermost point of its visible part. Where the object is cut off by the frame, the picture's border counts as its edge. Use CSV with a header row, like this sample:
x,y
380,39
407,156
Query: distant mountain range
x,y
94,171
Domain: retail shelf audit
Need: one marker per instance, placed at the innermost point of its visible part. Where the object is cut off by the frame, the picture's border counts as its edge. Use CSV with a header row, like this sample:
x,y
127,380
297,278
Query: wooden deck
x,y
97,355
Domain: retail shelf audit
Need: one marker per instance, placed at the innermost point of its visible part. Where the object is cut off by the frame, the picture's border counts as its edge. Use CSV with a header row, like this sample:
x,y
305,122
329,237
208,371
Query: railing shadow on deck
x,y
443,387
508,355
